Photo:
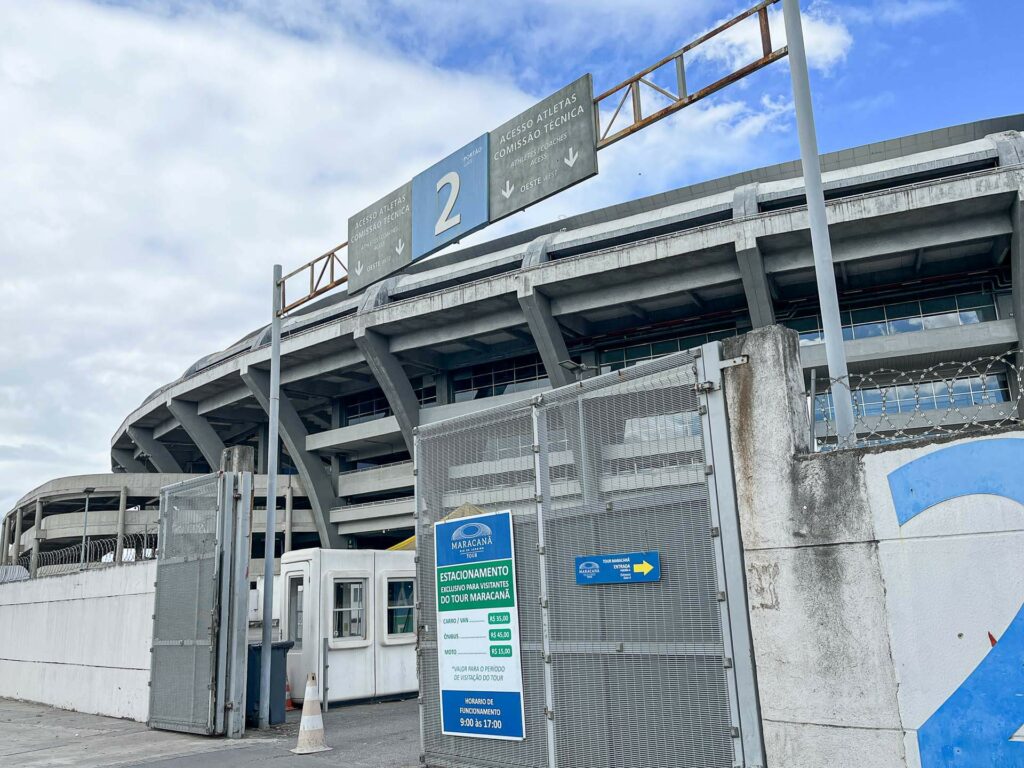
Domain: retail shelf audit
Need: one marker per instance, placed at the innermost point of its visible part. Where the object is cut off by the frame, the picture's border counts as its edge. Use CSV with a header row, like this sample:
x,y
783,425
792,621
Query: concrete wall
x,y
80,641
874,578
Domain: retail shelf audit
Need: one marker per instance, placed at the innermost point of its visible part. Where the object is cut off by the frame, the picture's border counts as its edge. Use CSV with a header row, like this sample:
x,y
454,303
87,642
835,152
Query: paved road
x,y
363,736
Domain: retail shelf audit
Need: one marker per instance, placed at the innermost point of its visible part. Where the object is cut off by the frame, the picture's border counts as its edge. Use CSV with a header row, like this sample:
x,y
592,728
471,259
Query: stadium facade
x,y
927,242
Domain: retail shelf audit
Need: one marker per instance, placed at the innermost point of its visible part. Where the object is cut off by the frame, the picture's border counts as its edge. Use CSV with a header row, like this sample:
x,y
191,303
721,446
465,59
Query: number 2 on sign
x,y
446,221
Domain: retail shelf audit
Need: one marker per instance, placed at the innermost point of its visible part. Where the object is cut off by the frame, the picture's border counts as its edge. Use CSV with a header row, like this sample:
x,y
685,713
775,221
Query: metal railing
x,y
99,553
946,399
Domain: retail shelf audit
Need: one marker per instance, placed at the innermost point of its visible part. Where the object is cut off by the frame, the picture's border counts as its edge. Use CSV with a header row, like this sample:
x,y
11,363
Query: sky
x,y
159,156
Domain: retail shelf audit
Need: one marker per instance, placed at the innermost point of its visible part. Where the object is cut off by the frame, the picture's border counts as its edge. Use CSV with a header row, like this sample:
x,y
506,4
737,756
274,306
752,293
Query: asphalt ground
x,y
376,735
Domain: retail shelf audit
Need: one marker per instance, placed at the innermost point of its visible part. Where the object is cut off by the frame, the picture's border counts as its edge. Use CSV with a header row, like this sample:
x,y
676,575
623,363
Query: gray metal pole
x,y
272,454
85,531
824,273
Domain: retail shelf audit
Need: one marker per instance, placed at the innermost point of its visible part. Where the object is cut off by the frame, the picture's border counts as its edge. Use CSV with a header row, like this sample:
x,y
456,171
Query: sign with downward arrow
x,y
542,151
378,239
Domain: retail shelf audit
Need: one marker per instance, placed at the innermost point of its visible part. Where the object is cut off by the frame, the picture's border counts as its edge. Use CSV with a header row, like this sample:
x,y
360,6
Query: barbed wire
x,y
99,553
952,398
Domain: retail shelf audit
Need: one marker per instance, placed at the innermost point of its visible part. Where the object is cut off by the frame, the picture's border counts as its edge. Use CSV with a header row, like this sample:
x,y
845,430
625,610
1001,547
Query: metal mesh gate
x,y
182,683
639,674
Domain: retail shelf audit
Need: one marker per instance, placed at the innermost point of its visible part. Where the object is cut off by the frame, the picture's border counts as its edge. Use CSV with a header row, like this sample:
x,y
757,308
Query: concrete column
x,y
3,541
315,476
261,449
37,529
547,334
198,428
122,505
288,507
386,367
443,383
157,451
748,256
16,552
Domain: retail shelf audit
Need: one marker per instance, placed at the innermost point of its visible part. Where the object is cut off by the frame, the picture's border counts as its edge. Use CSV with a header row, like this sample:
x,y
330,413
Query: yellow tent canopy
x,y
466,510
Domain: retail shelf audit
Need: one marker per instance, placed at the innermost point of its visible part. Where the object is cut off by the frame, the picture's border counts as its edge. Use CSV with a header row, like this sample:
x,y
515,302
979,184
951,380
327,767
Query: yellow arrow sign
x,y
642,567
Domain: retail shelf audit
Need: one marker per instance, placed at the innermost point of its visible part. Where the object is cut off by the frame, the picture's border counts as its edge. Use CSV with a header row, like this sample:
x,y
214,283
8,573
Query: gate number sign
x,y
478,655
549,147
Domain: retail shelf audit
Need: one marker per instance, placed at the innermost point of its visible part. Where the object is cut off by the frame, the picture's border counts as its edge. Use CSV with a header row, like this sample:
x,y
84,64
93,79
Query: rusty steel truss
x,y
323,271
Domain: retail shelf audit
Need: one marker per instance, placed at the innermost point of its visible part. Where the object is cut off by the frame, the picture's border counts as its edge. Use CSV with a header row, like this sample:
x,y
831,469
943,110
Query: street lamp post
x,y
835,353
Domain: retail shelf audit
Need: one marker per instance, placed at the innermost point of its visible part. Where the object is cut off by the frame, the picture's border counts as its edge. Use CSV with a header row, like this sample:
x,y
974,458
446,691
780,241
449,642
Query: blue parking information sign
x,y
449,199
619,568
478,656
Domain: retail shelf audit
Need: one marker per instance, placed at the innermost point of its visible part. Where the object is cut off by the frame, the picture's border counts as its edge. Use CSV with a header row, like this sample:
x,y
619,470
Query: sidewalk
x,y
363,736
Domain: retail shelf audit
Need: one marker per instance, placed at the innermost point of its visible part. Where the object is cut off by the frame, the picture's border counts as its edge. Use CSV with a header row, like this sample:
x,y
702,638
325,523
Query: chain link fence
x,y
98,553
952,398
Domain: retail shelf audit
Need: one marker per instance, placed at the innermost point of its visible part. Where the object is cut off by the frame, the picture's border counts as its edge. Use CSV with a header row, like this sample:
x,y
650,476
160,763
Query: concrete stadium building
x,y
927,241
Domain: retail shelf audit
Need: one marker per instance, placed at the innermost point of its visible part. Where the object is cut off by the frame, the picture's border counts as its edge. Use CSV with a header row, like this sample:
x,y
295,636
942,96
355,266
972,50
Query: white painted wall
x,y
864,628
80,641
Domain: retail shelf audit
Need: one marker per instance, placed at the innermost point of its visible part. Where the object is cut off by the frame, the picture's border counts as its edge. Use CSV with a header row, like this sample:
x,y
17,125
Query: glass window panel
x,y
869,315
973,300
941,321
906,325
904,309
503,377
638,352
612,356
868,330
847,333
665,347
349,609
942,304
400,607
804,323
295,595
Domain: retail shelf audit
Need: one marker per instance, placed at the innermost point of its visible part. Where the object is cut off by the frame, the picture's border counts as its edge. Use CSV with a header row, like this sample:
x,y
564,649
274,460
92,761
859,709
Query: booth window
x,y
295,593
401,619
349,608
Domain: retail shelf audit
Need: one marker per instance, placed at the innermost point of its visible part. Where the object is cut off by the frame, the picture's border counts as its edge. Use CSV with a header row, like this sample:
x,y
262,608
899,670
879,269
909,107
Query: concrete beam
x,y
198,428
157,451
546,332
1009,147
315,477
386,367
127,461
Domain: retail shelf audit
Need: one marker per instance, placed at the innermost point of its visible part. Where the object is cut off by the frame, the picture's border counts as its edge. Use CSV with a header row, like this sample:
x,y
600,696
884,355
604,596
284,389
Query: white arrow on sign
x,y
400,247
507,191
571,159
359,268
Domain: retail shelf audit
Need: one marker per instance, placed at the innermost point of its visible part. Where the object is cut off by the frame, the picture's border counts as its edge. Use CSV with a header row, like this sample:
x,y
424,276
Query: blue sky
x,y
161,155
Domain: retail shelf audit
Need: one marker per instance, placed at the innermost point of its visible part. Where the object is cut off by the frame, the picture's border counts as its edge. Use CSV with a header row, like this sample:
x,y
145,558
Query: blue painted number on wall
x,y
972,728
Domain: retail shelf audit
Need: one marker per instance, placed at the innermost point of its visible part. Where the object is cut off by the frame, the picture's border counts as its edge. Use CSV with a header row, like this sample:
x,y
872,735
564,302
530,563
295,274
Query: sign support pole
x,y
270,535
824,272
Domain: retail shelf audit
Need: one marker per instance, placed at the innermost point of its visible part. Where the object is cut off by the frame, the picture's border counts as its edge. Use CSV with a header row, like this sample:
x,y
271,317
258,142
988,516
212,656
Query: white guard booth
x,y
362,602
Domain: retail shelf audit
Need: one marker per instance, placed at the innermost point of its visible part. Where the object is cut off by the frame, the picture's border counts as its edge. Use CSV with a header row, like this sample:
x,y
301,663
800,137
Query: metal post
x,y
824,273
3,542
85,528
269,536
289,501
36,529
325,667
122,505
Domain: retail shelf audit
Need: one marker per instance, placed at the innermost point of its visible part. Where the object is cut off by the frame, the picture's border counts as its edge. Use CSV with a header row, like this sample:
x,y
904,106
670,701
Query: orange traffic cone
x,y
289,705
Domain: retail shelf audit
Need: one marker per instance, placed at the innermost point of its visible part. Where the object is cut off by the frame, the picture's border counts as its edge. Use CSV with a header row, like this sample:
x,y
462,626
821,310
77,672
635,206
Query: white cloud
x,y
157,163
826,39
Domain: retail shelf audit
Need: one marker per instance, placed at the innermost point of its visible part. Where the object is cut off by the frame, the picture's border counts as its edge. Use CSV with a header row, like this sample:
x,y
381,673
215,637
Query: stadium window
x,y
903,317
501,377
617,358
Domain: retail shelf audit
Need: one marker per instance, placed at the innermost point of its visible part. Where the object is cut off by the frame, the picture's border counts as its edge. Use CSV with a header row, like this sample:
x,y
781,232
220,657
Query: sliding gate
x,y
645,672
197,677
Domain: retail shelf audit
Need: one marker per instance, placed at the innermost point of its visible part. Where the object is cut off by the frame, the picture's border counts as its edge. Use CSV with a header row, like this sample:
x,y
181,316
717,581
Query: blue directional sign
x,y
449,199
619,568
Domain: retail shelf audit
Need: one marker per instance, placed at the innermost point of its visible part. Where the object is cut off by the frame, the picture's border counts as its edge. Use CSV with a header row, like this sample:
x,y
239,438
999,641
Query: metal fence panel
x,y
639,674
182,683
